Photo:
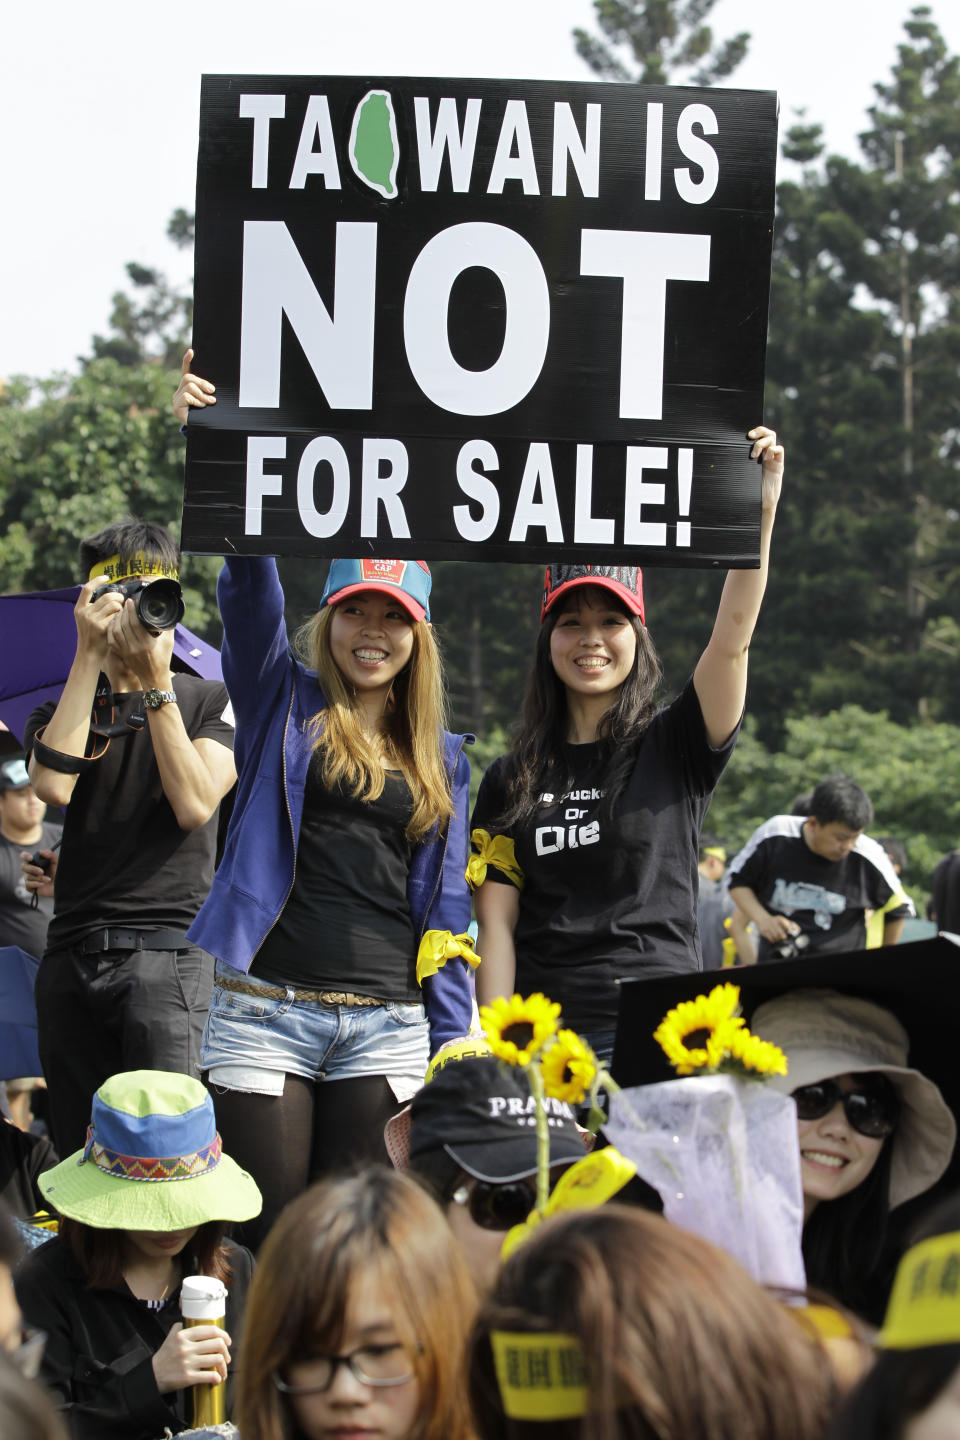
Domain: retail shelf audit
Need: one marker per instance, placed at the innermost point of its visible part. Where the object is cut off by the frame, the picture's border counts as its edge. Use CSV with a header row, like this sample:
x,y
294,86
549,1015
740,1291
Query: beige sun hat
x,y
824,1034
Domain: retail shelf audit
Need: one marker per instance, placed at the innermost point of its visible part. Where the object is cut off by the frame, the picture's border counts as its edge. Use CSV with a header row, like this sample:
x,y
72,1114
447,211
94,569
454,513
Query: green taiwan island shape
x,y
374,148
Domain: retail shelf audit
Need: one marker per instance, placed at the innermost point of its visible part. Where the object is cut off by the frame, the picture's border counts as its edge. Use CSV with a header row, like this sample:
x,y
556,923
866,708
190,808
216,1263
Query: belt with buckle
x,y
315,997
116,938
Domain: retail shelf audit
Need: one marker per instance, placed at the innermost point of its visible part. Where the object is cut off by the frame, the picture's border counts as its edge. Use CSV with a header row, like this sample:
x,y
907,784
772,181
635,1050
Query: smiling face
x,y
349,1409
371,640
593,645
834,1157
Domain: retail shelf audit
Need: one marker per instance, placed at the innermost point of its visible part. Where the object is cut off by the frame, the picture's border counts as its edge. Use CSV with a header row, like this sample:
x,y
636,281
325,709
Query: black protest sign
x,y
504,320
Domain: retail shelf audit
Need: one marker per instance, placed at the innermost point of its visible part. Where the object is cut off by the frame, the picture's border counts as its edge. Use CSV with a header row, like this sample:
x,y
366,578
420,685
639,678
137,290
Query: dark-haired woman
x,y
586,833
873,1133
145,1203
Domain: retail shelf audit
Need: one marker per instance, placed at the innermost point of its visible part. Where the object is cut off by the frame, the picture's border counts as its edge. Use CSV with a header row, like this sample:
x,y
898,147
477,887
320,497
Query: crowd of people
x,y
258,1036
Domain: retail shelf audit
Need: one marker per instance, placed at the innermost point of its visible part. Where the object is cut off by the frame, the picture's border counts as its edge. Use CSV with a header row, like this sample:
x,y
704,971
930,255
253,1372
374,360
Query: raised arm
x,y
69,727
195,774
720,678
193,392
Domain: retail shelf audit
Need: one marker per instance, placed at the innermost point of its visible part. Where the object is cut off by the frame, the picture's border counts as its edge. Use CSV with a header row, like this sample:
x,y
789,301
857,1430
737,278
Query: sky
x,y
99,106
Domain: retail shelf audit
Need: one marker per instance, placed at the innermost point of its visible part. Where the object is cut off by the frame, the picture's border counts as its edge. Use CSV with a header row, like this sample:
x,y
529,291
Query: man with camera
x,y
809,882
140,757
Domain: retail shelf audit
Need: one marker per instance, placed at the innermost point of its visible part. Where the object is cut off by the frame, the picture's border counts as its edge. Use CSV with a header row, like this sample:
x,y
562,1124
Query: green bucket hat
x,y
152,1161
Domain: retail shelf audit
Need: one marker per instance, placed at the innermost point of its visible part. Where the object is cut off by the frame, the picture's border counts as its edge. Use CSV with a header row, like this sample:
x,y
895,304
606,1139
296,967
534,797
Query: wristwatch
x,y
153,699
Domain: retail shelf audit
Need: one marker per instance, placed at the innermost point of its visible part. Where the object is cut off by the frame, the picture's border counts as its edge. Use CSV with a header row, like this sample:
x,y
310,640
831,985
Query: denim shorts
x,y
250,1042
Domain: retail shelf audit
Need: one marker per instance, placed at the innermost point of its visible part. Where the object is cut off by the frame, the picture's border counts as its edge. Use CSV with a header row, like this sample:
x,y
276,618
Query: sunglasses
x,y
496,1206
872,1109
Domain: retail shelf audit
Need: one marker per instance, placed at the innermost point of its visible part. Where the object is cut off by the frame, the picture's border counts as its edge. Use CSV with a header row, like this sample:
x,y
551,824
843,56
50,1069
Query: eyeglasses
x,y
494,1206
376,1365
872,1109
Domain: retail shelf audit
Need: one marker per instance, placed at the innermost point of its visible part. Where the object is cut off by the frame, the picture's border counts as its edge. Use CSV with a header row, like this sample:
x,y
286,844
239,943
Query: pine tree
x,y
658,42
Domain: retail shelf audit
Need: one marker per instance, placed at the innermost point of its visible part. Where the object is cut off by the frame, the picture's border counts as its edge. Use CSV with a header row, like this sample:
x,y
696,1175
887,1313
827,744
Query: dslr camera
x,y
159,603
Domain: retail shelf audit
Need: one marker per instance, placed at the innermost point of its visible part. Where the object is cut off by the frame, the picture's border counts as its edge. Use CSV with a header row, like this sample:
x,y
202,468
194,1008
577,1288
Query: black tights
x,y
311,1130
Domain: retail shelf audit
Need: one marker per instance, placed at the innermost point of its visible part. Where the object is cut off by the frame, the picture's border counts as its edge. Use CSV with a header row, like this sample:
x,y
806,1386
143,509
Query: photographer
x,y
141,758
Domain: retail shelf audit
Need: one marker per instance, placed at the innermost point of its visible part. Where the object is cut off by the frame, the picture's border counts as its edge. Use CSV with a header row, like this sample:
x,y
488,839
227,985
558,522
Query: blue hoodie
x,y
274,698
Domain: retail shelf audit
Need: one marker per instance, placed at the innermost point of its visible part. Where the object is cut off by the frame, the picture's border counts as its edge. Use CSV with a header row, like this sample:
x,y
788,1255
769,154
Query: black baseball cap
x,y
481,1112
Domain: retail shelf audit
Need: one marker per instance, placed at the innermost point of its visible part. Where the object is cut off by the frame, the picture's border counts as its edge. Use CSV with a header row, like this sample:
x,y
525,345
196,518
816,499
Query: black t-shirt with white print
x,y
826,898
607,897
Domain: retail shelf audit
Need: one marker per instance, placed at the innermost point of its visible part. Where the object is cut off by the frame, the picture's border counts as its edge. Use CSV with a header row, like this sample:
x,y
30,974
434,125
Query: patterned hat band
x,y
157,1167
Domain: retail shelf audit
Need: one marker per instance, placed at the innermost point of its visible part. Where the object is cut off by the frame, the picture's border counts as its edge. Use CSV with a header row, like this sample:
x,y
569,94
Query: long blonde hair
x,y
414,722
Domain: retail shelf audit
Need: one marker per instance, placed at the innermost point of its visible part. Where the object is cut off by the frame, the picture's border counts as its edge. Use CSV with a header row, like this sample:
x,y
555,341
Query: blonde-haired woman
x,y
347,845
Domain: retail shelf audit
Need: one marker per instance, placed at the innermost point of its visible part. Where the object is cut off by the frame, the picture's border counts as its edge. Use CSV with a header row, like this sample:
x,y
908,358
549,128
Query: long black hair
x,y
845,1244
538,760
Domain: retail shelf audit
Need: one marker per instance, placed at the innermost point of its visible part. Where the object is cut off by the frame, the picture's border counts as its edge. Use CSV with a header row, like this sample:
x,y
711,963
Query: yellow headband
x,y
924,1306
130,566
541,1377
717,851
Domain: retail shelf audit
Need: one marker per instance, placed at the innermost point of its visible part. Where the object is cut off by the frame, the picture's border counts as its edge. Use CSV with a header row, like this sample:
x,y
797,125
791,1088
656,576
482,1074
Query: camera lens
x,y
160,605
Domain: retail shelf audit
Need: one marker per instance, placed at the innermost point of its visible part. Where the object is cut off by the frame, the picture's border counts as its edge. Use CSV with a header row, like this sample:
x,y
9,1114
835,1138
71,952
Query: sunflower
x,y
569,1068
696,1034
753,1056
517,1027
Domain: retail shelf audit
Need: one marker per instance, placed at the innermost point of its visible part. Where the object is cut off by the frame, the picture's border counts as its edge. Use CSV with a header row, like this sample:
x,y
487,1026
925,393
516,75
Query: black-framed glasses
x,y
871,1106
494,1205
376,1365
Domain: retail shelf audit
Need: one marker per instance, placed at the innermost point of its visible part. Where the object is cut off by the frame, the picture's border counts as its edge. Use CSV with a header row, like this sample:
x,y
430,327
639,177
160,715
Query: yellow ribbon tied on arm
x,y
496,850
588,1183
439,946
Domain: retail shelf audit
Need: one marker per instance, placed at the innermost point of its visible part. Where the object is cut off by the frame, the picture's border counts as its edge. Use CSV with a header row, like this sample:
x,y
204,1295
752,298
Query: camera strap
x,y
105,722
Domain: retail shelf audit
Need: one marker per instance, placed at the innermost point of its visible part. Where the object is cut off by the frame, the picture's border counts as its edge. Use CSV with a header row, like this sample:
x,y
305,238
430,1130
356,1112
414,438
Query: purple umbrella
x,y
38,640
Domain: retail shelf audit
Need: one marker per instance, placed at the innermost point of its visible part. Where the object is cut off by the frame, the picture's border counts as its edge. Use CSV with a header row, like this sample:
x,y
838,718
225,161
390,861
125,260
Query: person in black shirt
x,y
22,828
809,884
586,833
140,758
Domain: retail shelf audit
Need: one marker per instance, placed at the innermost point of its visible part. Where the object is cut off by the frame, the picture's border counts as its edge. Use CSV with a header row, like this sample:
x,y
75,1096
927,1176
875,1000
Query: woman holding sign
x,y
337,910
585,834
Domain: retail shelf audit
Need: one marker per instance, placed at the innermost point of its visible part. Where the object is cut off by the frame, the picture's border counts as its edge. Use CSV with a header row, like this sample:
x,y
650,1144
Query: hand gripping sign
x,y
480,319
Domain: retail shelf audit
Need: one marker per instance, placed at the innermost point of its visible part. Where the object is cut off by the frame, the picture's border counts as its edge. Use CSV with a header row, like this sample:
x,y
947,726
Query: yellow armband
x,y
496,850
439,946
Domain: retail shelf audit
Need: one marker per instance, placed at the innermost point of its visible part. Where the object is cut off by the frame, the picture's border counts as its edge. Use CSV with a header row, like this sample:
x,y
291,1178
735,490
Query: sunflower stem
x,y
543,1138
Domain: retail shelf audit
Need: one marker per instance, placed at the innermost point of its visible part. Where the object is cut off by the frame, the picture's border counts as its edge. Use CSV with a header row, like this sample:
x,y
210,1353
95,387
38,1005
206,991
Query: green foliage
x,y
863,370
908,772
77,452
658,42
